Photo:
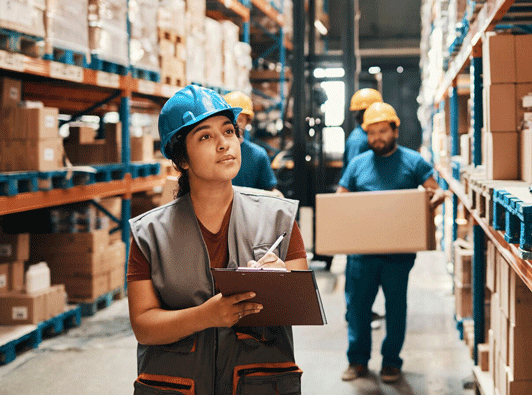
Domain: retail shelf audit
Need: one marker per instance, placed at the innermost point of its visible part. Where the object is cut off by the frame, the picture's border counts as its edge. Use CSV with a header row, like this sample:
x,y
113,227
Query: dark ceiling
x,y
387,27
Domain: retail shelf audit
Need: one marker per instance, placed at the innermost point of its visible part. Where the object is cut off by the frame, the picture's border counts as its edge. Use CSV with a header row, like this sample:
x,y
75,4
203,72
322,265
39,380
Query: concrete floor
x,y
98,358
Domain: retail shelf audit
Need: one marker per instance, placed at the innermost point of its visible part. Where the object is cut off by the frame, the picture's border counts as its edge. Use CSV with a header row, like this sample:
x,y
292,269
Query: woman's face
x,y
213,150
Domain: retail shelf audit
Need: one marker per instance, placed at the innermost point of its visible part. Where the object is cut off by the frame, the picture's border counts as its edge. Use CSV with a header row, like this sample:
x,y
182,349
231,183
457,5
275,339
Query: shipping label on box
x,y
10,92
383,222
4,277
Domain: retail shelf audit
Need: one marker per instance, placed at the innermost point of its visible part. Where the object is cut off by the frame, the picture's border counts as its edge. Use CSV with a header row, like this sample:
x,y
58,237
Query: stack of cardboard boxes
x,y
18,307
82,147
85,262
507,79
463,253
30,135
509,338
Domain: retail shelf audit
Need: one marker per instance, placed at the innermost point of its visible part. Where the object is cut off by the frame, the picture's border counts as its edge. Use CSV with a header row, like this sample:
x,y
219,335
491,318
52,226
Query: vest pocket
x,y
154,384
282,378
183,346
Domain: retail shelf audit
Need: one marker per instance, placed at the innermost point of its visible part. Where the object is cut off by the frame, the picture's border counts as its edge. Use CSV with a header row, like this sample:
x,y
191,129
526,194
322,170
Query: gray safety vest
x,y
217,360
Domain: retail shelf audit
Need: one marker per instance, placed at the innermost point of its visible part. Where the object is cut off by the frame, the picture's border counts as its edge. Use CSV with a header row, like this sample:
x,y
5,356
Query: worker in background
x,y
255,170
386,166
357,141
185,329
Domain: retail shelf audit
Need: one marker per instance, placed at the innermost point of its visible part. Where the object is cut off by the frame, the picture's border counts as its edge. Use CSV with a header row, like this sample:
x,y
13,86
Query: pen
x,y
277,242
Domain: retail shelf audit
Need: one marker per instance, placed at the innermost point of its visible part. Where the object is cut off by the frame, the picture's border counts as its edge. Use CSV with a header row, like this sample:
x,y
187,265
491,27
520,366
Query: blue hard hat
x,y
187,108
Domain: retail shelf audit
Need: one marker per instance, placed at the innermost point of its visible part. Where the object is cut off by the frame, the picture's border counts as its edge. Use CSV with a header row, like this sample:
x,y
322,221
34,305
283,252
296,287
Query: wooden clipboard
x,y
289,297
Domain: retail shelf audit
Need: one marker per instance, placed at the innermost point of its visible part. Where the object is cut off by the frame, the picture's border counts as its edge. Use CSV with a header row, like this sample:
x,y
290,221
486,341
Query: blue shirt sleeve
x,y
348,180
423,170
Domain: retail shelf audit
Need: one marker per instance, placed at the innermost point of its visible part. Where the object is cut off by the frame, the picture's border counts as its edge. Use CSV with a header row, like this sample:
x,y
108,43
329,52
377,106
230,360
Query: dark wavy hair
x,y
179,155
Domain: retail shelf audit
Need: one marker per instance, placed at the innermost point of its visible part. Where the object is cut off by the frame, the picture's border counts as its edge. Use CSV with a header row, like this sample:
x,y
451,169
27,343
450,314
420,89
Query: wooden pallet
x,y
91,307
17,338
66,56
145,74
144,169
13,41
170,35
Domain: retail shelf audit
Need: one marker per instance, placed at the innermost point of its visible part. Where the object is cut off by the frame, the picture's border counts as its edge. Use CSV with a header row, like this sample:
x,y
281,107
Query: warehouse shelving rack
x,y
491,14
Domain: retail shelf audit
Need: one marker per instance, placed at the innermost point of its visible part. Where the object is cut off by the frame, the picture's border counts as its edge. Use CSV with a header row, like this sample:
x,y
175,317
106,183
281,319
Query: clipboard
x,y
289,297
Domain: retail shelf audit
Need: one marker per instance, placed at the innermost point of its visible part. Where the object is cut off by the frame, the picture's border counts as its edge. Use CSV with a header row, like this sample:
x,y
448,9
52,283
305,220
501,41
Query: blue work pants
x,y
364,274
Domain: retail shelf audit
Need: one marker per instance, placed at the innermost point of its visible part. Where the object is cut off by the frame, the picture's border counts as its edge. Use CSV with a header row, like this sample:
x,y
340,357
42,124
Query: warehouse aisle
x,y
98,358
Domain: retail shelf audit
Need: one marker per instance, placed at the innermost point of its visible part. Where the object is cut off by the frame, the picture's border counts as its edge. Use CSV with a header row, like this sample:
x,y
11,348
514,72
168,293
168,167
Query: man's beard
x,y
386,148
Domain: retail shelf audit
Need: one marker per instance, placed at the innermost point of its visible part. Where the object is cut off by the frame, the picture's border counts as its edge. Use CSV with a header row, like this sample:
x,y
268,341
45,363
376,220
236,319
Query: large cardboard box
x,y
14,247
502,156
4,278
169,188
520,302
32,155
76,264
498,58
523,58
463,254
17,308
500,108
81,135
96,241
383,222
491,267
520,352
10,92
39,123
116,255
117,278
83,287
142,148
16,276
463,300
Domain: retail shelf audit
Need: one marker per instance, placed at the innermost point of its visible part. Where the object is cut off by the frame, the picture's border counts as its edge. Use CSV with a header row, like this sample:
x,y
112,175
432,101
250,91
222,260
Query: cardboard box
x,y
142,148
86,264
16,276
502,156
498,58
463,255
500,108
383,222
71,243
169,188
17,308
4,278
491,267
57,299
81,135
491,356
514,387
116,255
520,352
32,155
525,146
483,356
39,123
503,340
10,92
520,302
463,300
521,90
523,58
87,154
504,290
14,247
117,278
86,288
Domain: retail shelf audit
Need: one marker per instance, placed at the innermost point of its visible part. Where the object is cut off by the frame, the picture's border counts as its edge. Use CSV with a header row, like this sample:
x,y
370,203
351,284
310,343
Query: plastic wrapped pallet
x,y
67,25
195,64
108,37
230,33
213,46
171,16
14,16
144,50
244,65
196,10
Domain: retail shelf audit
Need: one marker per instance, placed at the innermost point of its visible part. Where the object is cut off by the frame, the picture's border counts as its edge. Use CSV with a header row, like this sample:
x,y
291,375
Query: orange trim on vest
x,y
273,365
170,380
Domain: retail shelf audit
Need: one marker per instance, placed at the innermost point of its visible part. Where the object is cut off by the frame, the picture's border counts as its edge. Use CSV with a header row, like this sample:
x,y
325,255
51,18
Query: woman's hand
x,y
226,311
270,260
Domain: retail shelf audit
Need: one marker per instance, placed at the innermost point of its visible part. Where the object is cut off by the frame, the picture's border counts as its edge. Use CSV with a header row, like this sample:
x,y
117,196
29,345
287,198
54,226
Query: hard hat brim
x,y
397,122
232,112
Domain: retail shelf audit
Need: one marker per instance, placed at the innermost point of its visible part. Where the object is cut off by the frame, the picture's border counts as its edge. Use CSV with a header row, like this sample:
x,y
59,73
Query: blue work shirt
x,y
356,144
404,169
255,169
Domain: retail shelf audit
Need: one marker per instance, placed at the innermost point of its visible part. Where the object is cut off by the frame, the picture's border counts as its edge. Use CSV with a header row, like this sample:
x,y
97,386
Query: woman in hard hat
x,y
255,170
386,166
187,343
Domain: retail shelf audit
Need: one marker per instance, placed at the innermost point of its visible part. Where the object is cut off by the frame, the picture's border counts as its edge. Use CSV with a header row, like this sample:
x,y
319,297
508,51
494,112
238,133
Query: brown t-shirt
x,y
139,268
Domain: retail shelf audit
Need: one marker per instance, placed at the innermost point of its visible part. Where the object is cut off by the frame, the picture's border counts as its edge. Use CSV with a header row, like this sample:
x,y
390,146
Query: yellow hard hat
x,y
364,98
380,112
239,99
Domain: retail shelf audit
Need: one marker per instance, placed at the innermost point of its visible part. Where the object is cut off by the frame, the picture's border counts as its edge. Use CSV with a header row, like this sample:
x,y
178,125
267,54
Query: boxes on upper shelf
x,y
142,148
500,164
498,58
